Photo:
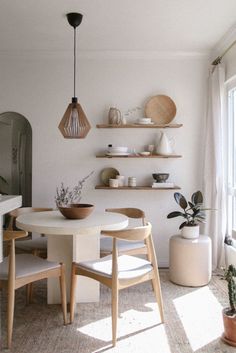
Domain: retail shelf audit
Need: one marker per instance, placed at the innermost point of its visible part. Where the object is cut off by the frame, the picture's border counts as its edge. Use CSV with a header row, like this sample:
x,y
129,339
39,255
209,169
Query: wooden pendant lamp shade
x,y
74,123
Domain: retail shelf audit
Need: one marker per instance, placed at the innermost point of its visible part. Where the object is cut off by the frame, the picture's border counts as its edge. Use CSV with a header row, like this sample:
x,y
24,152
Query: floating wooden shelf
x,y
138,126
139,156
135,188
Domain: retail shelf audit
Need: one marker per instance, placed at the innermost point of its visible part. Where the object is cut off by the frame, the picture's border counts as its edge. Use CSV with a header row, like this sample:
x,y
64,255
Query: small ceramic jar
x,y
113,183
121,180
151,148
132,181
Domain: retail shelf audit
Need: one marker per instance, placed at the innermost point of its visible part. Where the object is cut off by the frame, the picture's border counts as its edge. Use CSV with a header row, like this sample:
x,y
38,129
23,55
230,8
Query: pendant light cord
x,y
74,58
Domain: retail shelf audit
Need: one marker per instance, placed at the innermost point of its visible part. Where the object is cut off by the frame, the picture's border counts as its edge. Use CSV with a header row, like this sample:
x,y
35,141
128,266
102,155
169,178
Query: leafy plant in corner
x,y
229,313
66,196
193,213
229,276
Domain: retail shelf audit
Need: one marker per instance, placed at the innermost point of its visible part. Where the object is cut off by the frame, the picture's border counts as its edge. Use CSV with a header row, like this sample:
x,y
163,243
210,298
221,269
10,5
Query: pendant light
x,y
74,123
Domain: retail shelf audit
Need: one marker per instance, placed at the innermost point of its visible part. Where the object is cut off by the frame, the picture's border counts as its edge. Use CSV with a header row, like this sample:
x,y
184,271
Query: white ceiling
x,y
155,25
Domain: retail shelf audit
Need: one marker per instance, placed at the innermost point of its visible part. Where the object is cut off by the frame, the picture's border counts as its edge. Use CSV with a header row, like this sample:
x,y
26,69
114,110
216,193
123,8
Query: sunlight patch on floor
x,y
153,340
200,314
129,322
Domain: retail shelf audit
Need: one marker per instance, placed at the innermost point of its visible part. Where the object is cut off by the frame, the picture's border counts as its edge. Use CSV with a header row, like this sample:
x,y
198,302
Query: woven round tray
x,y
161,109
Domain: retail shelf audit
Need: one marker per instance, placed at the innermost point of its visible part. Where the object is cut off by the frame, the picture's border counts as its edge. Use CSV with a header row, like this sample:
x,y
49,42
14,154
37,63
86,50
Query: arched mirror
x,y
16,156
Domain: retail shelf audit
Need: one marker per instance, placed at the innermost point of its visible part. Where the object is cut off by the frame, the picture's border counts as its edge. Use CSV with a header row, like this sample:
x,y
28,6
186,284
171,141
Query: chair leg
x,y
10,314
63,293
35,252
29,293
72,293
114,314
157,290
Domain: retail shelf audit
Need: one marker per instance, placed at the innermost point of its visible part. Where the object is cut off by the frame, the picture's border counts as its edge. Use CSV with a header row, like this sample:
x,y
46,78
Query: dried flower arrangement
x,y
65,195
131,113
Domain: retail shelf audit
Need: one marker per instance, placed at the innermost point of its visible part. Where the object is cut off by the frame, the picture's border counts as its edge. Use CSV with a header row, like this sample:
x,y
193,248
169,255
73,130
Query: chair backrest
x,y
22,210
130,212
11,235
133,234
130,234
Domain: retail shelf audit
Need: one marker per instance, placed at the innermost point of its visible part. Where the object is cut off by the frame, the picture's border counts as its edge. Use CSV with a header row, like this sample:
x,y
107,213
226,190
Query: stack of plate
x,y
118,151
144,121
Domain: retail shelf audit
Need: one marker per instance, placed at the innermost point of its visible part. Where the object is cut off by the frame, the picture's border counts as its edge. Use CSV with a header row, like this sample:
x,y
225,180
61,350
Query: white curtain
x,y
214,166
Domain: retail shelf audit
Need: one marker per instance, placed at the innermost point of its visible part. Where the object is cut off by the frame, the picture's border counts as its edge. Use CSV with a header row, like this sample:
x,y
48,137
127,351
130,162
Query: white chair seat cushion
x,y
31,244
128,266
26,265
122,245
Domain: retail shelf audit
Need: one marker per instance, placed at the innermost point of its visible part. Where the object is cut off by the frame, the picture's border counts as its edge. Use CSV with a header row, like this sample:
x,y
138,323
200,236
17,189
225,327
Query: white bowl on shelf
x,y
118,149
145,153
144,121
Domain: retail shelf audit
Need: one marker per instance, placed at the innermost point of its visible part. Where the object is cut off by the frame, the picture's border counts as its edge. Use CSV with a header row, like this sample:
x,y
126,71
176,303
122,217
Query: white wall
x,y
40,88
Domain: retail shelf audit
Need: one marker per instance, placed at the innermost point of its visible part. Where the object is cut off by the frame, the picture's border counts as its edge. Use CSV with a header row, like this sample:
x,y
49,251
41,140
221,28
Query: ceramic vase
x,y
114,116
164,147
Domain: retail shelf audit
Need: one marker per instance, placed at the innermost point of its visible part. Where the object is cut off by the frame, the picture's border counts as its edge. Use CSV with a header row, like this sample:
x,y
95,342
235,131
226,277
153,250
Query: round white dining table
x,y
72,240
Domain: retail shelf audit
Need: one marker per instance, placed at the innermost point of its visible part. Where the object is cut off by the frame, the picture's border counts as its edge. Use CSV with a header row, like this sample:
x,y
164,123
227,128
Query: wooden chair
x,y
37,245
19,270
124,247
121,271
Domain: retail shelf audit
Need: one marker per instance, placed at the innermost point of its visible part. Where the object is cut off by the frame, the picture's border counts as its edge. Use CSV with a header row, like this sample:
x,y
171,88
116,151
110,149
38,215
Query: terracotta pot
x,y
76,211
229,335
190,232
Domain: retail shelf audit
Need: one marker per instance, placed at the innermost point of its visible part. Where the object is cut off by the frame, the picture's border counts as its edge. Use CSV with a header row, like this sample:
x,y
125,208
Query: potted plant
x,y
193,214
68,201
229,313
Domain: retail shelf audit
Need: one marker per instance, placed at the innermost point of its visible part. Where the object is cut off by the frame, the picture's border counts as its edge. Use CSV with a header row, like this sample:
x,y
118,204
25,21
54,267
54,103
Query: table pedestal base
x,y
68,248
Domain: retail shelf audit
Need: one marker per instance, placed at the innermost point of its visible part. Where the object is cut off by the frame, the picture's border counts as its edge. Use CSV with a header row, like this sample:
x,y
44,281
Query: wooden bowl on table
x,y
76,210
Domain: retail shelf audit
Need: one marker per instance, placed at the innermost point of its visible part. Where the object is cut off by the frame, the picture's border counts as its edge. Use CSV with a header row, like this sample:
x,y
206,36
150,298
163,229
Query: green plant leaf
x,y
180,199
176,214
191,205
229,276
196,212
182,225
197,198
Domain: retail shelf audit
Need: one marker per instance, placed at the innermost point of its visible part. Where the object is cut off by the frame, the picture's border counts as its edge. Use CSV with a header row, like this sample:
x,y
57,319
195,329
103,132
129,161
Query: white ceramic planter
x,y
190,232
